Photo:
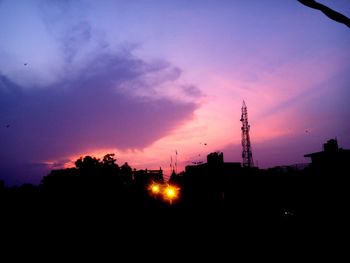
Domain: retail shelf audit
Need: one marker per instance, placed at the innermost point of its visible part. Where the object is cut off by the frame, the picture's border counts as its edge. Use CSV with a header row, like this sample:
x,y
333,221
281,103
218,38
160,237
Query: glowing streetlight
x,y
171,193
155,188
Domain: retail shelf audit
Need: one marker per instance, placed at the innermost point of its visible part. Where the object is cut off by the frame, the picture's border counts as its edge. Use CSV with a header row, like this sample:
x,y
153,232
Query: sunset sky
x,y
144,79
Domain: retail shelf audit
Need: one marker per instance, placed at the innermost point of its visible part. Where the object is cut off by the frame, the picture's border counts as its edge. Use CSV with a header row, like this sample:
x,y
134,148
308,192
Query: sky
x,y
146,79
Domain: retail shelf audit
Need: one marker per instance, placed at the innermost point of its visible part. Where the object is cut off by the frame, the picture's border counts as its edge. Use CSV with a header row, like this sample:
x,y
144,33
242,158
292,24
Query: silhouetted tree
x,y
109,166
327,11
89,165
108,160
126,173
61,180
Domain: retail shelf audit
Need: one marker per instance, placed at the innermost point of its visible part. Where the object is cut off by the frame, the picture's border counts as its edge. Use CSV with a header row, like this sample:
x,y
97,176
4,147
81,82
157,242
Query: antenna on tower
x,y
171,163
176,161
247,155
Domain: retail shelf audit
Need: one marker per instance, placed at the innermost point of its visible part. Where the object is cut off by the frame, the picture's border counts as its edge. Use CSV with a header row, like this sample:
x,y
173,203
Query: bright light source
x,y
168,192
171,193
155,189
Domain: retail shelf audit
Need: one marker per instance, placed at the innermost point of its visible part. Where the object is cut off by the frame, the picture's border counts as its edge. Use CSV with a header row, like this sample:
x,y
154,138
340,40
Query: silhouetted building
x,y
149,176
215,161
332,160
215,167
209,180
215,158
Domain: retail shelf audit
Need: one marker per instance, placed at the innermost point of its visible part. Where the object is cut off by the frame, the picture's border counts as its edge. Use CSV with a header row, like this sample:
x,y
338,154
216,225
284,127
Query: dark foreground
x,y
148,229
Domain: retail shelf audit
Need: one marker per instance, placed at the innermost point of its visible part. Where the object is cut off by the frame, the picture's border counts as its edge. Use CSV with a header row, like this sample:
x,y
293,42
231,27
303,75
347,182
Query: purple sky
x,y
145,78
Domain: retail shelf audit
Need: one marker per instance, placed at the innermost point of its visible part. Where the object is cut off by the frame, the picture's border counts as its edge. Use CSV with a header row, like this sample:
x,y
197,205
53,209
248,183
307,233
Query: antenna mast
x,y
247,155
176,161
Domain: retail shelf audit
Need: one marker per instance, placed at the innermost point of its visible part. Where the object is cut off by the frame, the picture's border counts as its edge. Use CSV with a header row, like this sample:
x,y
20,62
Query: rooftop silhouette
x,y
332,160
205,204
245,192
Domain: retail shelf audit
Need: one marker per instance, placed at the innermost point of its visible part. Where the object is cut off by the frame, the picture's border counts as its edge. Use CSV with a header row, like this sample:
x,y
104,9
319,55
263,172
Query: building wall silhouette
x,y
331,161
209,181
